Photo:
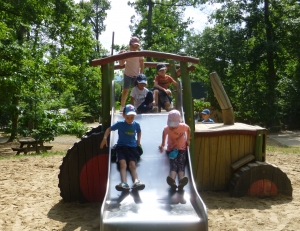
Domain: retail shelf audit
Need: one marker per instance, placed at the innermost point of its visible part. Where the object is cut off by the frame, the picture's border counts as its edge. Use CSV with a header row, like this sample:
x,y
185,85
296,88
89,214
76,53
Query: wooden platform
x,y
218,146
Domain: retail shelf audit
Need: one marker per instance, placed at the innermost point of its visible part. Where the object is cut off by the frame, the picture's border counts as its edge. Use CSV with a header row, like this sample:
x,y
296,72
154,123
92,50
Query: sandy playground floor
x,y
30,200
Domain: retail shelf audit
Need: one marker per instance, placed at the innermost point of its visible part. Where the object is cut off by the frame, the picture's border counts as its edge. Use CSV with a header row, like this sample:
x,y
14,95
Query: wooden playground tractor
x,y
229,156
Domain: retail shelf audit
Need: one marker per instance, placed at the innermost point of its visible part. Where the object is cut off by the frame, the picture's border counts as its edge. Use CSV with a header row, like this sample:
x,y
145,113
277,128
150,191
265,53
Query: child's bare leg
x,y
180,175
172,174
155,93
123,167
124,97
132,168
167,106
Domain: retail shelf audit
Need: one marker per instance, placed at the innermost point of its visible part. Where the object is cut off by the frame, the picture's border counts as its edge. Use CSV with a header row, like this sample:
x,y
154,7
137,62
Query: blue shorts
x,y
129,81
127,153
178,164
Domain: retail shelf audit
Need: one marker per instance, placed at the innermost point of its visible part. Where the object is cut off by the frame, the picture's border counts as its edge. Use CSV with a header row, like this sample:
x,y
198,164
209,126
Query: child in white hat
x,y
178,139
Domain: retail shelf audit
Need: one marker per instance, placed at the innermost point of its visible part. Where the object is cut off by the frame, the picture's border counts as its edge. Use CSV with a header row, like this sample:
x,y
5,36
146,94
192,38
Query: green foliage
x,y
77,112
200,104
73,127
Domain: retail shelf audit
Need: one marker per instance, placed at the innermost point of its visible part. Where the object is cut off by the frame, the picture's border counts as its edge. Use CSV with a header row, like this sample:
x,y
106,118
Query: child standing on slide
x,y
133,67
178,140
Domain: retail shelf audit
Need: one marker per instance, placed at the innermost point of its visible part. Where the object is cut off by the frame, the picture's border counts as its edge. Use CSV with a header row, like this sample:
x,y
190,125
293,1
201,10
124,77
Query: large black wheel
x,y
260,179
84,170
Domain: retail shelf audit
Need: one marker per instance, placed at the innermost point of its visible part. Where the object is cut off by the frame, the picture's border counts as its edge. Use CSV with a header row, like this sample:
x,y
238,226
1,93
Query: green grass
x,y
42,154
283,149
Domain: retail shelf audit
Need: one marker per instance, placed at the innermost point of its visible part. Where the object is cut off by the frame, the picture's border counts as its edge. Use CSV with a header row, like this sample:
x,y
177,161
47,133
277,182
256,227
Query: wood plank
x,y
241,146
205,164
243,161
228,171
213,155
197,149
73,171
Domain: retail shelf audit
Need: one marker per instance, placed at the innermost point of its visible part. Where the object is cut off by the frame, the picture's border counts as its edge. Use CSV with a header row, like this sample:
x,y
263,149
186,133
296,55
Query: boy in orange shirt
x,y
162,93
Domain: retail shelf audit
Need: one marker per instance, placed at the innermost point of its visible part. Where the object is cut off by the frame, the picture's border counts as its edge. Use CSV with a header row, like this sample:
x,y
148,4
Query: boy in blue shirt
x,y
205,116
127,152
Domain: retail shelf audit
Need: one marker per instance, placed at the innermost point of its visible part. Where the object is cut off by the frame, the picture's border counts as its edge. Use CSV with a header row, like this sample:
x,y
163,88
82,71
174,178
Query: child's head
x,y
134,43
174,119
141,81
129,113
161,69
205,114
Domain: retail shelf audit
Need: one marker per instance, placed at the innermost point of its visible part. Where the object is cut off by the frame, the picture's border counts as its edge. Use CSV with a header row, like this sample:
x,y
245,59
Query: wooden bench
x,y
31,145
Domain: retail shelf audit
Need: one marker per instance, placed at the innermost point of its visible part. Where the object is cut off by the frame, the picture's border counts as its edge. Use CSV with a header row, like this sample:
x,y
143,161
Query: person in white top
x,y
133,67
141,97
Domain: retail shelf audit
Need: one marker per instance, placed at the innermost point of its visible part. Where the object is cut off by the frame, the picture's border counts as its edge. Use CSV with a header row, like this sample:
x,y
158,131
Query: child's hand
x,y
103,142
168,92
187,143
161,148
122,51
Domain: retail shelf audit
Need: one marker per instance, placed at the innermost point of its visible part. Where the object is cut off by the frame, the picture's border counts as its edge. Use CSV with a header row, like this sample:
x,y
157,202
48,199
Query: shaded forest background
x,y
46,49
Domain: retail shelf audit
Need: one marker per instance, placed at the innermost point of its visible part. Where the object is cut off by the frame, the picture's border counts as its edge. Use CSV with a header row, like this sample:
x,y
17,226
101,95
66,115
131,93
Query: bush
x,y
73,127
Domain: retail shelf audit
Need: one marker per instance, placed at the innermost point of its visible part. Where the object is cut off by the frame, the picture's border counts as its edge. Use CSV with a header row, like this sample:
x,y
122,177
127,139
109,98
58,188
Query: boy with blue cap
x,y
205,115
127,147
141,97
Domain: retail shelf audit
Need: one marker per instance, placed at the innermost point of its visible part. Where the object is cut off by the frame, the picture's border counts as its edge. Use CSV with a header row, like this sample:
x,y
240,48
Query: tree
x,y
249,47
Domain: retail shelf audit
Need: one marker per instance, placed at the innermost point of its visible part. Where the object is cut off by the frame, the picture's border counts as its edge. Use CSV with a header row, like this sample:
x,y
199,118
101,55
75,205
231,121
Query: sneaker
x,y
122,187
183,182
171,182
154,109
121,109
138,186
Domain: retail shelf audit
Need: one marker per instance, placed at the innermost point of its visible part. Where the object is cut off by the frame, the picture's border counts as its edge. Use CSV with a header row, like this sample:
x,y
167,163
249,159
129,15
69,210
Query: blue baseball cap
x,y
129,110
205,112
141,78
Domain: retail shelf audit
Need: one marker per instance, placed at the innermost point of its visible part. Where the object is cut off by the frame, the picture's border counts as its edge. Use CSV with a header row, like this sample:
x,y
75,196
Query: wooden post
x,y
106,96
259,146
174,76
223,100
187,105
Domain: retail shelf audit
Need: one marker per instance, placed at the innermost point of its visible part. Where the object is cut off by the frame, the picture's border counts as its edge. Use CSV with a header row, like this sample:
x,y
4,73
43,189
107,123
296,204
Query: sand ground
x,y
30,199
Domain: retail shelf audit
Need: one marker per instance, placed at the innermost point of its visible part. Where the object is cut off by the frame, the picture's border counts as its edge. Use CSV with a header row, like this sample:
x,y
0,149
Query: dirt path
x,y
30,199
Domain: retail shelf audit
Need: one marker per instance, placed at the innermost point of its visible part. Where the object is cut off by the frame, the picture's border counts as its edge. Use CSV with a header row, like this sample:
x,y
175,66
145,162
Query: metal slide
x,y
155,208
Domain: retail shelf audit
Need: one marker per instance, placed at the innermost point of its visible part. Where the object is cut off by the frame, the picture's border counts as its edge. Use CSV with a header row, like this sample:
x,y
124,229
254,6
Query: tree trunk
x,y
271,78
14,119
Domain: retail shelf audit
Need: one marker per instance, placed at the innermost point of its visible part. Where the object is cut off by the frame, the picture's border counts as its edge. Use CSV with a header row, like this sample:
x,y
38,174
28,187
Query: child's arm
x,y
159,87
139,135
142,66
122,62
175,84
131,100
161,147
104,141
188,136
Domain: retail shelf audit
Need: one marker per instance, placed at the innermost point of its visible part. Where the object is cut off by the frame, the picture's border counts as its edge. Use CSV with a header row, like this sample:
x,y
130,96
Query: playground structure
x,y
221,157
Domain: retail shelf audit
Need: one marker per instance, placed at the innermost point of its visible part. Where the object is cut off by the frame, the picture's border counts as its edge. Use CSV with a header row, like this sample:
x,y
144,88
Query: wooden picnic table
x,y
31,145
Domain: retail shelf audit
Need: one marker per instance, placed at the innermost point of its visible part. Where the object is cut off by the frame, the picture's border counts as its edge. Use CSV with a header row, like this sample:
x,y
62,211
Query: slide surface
x,y
156,207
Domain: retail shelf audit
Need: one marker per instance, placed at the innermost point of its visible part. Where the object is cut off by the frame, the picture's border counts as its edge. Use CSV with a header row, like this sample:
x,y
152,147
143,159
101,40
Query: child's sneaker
x,y
154,109
183,182
122,187
138,186
171,182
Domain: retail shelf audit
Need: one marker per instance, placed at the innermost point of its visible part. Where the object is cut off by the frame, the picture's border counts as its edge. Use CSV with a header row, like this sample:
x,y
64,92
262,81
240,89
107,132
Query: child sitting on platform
x,y
162,93
141,97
